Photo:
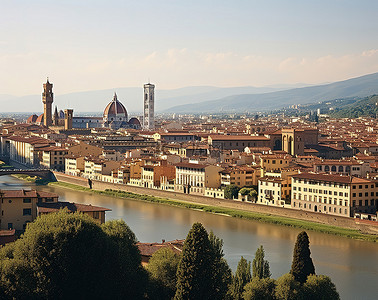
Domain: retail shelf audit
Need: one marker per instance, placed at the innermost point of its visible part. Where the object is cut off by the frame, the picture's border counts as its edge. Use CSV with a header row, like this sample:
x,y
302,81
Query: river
x,y
352,264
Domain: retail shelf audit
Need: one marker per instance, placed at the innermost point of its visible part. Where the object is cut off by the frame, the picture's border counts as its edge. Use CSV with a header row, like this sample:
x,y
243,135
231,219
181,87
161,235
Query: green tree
x,y
63,256
194,273
162,268
261,289
231,191
302,265
320,288
287,288
253,194
260,266
241,278
129,271
245,191
221,272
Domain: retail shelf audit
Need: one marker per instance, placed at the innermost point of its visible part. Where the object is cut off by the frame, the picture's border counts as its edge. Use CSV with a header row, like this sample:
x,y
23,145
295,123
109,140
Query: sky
x,y
86,45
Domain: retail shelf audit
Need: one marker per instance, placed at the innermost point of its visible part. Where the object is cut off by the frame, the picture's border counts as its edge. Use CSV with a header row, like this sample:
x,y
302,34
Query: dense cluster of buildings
x,y
329,167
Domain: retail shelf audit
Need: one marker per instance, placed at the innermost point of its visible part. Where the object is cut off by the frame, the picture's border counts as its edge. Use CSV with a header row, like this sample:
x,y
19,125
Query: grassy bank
x,y
266,218
33,179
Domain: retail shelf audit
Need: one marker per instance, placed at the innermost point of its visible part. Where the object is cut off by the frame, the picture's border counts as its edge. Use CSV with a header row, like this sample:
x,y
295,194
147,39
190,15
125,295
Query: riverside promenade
x,y
365,227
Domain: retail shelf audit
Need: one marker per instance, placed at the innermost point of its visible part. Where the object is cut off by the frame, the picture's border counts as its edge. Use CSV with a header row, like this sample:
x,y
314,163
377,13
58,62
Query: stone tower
x,y
55,119
47,99
68,115
148,107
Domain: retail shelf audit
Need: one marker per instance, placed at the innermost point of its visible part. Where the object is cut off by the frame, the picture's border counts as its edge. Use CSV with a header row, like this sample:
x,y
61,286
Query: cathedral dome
x,y
40,119
115,111
32,119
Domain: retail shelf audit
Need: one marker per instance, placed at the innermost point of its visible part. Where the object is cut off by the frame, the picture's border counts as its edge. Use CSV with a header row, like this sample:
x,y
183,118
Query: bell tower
x,y
148,107
47,99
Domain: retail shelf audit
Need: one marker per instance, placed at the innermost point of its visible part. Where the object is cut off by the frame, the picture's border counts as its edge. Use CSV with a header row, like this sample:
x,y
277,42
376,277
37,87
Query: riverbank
x,y
266,218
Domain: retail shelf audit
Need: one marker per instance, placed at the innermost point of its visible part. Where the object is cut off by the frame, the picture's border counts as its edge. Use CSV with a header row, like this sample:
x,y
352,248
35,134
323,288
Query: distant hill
x,y
131,97
357,87
366,107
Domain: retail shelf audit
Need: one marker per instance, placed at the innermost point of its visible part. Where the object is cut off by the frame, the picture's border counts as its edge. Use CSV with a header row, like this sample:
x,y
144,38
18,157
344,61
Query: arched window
x,y
333,168
326,168
341,169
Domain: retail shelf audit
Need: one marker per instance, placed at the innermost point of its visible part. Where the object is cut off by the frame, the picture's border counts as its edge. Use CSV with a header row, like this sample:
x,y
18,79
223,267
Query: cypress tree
x,y
194,272
260,266
221,272
302,265
241,278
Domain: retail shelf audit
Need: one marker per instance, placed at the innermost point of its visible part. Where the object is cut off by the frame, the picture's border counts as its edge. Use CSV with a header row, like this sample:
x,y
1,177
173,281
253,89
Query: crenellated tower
x,y
47,99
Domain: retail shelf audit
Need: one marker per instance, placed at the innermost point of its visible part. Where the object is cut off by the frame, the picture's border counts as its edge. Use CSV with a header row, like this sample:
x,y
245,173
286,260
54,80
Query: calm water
x,y
352,265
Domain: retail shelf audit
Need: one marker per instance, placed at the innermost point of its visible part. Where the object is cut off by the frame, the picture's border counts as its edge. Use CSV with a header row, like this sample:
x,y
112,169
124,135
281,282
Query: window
x,y
10,225
27,200
26,212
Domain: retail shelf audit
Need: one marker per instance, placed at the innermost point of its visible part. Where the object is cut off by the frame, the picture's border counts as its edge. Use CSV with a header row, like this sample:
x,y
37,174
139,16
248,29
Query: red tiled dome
x,y
134,121
32,119
115,108
40,119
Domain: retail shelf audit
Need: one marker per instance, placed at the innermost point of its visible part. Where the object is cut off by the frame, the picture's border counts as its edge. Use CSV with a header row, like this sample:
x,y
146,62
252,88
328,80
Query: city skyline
x,y
96,45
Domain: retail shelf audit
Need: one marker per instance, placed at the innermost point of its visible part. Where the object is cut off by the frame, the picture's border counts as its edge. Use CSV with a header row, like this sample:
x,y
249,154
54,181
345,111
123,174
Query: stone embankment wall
x,y
232,204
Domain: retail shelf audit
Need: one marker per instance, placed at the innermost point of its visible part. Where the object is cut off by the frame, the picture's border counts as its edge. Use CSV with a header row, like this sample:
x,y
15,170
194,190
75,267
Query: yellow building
x,y
74,165
54,158
19,207
95,168
274,191
334,194
194,178
240,176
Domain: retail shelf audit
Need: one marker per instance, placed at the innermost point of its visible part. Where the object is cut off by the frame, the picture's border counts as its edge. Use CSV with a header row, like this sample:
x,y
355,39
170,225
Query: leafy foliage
x,y
320,288
66,256
262,289
194,272
260,266
241,278
231,191
221,272
287,288
302,265
162,268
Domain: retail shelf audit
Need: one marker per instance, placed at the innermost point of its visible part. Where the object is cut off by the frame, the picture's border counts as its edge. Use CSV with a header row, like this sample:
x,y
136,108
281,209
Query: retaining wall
x,y
233,204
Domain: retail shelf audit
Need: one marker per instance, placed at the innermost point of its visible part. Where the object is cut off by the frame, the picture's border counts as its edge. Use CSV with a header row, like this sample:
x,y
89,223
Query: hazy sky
x,y
87,45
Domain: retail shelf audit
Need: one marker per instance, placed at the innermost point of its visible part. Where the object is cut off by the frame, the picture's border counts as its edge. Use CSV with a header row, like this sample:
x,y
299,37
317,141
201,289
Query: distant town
x,y
310,163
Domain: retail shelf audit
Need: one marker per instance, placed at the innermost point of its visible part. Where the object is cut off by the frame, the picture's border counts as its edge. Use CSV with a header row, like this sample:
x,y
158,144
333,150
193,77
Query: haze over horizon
x,y
95,45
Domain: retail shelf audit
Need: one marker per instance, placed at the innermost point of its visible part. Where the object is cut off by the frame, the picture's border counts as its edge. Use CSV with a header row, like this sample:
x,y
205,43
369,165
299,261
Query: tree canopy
x,y
260,266
231,191
302,265
66,256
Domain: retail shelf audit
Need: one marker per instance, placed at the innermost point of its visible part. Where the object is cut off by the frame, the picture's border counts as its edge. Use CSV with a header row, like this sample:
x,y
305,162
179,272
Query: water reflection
x,y
351,264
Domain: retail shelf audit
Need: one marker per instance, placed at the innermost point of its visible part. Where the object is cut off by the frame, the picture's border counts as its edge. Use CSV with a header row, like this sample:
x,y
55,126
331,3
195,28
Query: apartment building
x,y
19,207
74,165
95,168
194,178
240,176
274,191
54,158
334,194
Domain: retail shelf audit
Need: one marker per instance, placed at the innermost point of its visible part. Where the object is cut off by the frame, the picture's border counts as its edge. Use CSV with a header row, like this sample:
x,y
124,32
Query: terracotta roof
x,y
9,232
72,207
191,165
115,107
331,178
147,249
26,193
238,138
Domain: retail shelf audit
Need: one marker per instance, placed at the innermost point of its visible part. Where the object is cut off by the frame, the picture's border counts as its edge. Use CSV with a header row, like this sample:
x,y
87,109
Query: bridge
x,y
42,173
